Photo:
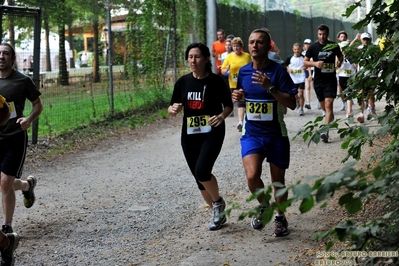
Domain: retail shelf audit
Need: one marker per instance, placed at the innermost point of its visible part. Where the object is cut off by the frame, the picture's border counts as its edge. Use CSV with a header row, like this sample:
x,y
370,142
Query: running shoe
x,y
256,221
343,107
324,137
323,113
281,228
360,118
6,229
307,106
219,217
7,254
29,196
301,112
239,126
370,111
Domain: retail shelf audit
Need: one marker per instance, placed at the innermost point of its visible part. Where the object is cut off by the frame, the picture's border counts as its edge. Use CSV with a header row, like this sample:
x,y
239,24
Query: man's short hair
x,y
267,34
220,30
230,36
265,31
324,27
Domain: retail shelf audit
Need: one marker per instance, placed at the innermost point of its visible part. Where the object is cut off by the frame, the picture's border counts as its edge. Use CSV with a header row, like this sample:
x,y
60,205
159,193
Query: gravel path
x,y
130,200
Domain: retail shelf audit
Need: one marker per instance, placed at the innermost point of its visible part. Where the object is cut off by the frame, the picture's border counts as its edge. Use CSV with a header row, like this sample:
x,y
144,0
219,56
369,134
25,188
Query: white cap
x,y
365,35
307,41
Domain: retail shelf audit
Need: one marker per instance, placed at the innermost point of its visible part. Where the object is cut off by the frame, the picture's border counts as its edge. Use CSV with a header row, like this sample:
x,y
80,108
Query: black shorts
x,y
12,154
343,82
201,155
326,90
300,86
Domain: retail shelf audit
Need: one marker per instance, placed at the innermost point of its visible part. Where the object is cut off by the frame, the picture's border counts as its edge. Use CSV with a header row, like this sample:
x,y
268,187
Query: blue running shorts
x,y
275,149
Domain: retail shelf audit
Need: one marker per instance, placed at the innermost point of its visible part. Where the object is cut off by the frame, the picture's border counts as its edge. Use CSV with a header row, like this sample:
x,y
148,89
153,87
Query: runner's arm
x,y
286,99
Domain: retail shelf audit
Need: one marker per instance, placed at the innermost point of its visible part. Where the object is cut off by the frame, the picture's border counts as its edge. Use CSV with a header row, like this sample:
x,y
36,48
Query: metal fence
x,y
80,103
286,28
84,102
32,17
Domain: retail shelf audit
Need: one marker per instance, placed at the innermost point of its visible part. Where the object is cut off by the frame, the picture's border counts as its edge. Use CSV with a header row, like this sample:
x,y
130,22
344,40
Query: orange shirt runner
x,y
219,48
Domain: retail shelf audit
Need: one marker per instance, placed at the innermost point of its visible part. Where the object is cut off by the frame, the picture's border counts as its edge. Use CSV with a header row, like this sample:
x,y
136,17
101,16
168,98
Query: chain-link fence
x,y
142,61
27,52
286,28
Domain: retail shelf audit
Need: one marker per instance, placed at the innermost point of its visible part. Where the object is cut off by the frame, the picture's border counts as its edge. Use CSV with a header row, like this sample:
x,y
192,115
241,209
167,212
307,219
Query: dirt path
x,y
131,201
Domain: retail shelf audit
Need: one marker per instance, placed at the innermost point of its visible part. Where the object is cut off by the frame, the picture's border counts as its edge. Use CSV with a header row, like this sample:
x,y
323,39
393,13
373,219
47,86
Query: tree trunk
x,y
63,74
46,27
11,32
70,40
96,67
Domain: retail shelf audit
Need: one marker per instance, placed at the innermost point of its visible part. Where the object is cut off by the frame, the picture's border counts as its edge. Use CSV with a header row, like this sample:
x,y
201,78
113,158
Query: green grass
x,y
69,108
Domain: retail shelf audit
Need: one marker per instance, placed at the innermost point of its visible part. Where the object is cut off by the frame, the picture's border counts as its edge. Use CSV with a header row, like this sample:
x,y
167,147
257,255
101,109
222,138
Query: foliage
x,y
379,182
242,4
155,37
298,24
84,110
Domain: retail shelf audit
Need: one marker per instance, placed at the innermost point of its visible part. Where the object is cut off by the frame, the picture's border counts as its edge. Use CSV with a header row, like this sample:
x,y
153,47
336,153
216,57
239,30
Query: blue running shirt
x,y
264,114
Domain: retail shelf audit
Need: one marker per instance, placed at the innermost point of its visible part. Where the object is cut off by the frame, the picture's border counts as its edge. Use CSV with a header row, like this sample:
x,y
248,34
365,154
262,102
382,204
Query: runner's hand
x,y
319,64
237,95
215,120
175,109
24,122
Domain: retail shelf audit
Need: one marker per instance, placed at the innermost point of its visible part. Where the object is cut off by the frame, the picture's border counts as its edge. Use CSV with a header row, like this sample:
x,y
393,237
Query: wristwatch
x,y
272,89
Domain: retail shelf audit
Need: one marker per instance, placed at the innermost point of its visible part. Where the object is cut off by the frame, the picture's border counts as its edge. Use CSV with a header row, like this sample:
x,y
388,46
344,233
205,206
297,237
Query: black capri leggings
x,y
201,156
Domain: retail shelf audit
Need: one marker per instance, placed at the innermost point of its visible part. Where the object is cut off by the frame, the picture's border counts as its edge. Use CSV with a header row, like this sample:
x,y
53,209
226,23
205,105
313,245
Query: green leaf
x,y
277,184
345,198
352,205
315,138
242,216
345,143
387,215
283,206
383,130
267,216
350,9
302,191
321,193
310,178
341,232
335,178
329,245
377,171
318,183
306,205
364,130
260,192
319,119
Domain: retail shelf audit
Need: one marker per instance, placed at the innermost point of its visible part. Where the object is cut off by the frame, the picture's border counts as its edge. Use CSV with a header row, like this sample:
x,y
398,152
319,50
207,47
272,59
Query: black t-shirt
x,y
201,98
316,52
16,89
